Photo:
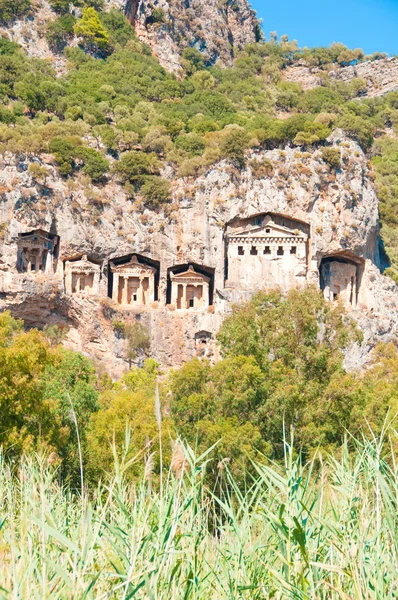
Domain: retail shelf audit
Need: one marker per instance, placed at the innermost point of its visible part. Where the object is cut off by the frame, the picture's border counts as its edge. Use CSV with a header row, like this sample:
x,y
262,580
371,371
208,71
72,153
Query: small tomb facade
x,y
133,283
340,281
263,253
190,289
204,344
37,252
82,276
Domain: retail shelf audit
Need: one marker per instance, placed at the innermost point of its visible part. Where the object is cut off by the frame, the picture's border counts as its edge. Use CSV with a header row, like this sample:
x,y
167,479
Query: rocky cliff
x,y
339,211
93,258
216,28
381,75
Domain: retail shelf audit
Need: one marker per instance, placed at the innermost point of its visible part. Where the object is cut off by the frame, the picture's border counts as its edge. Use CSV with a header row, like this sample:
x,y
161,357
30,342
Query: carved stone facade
x,y
204,344
190,289
82,276
37,252
133,283
340,279
264,254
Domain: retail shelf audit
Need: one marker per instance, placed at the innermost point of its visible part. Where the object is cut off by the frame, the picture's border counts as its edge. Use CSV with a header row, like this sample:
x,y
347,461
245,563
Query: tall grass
x,y
322,530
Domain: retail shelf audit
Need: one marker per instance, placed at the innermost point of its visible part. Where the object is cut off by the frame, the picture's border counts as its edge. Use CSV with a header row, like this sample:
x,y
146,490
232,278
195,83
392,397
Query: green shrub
x,y
68,150
158,15
61,6
13,9
359,128
95,165
64,150
234,145
60,32
193,60
8,48
7,116
119,29
133,166
332,157
156,190
191,143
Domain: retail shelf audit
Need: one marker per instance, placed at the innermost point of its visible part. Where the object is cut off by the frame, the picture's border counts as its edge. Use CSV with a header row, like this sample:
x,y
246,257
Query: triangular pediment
x,y
82,263
133,265
190,275
268,230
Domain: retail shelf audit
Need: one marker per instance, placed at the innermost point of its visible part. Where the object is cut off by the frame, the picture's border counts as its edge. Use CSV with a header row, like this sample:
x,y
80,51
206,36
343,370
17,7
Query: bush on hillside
x,y
332,157
13,9
60,32
156,190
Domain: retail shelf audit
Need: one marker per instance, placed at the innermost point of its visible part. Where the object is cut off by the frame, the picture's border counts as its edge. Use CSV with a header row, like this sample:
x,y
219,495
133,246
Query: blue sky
x,y
368,24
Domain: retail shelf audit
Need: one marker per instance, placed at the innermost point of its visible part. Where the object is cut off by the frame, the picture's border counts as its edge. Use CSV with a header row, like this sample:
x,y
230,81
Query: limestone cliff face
x,y
218,28
381,76
339,212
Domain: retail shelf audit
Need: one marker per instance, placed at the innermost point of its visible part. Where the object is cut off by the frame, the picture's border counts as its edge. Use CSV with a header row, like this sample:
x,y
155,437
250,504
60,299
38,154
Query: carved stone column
x,y
174,293
140,292
68,281
125,289
96,283
205,294
151,289
115,289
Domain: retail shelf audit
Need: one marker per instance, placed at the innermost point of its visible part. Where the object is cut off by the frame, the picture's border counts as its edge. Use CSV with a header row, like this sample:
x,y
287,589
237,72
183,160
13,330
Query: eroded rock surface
x,y
335,214
381,75
217,29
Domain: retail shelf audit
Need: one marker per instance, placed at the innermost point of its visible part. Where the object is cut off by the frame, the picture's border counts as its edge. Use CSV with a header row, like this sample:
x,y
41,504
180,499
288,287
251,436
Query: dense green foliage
x,y
297,531
386,166
14,9
45,391
135,116
282,370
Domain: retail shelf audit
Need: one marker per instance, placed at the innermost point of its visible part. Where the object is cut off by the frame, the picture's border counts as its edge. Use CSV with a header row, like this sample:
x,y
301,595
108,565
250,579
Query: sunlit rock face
x,y
379,76
179,269
217,29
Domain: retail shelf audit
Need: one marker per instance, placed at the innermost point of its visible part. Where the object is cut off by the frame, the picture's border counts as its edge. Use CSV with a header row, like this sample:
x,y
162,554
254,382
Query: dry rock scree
x,y
226,238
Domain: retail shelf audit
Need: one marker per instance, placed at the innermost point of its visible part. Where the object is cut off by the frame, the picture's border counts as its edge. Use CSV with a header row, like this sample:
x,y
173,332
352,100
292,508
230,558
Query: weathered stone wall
x,y
340,209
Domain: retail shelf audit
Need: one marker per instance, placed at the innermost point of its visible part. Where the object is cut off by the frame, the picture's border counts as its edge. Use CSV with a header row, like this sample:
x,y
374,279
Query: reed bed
x,y
326,529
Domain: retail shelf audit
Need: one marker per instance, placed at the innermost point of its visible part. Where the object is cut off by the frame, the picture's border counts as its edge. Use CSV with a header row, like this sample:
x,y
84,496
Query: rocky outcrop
x,y
381,76
338,209
217,28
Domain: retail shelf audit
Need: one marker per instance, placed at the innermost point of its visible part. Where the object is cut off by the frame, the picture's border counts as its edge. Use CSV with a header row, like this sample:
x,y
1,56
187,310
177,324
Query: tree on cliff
x,y
89,28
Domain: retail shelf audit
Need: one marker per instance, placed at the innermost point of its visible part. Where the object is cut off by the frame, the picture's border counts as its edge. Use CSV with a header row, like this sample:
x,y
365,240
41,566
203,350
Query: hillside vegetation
x,y
269,380
117,113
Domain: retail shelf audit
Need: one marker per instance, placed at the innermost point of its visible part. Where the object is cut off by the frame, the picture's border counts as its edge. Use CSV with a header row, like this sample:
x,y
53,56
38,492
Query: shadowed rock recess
x,y
88,262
